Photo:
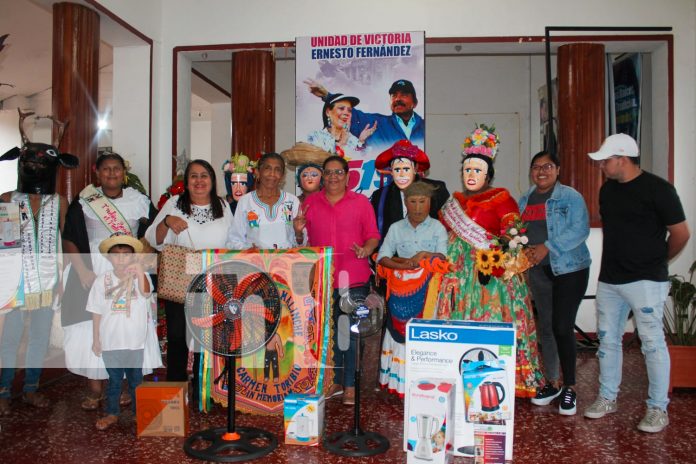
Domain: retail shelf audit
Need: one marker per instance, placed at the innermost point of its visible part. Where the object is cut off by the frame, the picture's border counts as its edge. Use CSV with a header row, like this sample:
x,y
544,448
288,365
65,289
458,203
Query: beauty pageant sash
x,y
462,225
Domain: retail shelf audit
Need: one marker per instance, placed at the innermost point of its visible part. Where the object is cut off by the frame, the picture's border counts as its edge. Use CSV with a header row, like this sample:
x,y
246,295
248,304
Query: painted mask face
x,y
310,180
403,172
474,174
239,185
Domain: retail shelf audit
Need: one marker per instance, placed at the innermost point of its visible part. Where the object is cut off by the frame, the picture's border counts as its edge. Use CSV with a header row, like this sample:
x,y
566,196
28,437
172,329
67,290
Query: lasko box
x,y
162,409
304,419
429,420
442,348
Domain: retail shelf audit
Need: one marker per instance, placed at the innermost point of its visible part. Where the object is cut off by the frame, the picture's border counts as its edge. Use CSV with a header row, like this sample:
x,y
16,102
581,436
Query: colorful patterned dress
x,y
462,295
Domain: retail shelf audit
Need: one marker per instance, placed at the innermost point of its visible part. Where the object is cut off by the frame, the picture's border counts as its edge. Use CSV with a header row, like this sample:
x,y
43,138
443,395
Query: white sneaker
x,y
655,420
600,408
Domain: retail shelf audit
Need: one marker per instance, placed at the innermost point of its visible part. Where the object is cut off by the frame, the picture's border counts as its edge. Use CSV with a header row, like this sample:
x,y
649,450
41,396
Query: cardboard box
x,y
162,409
490,443
303,416
429,420
442,348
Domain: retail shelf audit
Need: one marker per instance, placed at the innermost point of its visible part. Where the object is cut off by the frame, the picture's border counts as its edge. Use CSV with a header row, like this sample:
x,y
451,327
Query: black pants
x,y
557,299
270,361
177,347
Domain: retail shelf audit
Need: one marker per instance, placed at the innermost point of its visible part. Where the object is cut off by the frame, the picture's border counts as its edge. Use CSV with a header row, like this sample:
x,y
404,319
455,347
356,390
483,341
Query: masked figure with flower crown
x,y
485,236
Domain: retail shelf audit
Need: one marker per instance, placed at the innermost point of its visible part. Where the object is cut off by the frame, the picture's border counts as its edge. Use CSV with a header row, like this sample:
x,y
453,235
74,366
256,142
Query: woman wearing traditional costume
x,y
486,284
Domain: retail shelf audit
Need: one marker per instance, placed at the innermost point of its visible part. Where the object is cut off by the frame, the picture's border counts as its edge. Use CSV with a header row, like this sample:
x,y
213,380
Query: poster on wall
x,y
295,357
357,94
627,75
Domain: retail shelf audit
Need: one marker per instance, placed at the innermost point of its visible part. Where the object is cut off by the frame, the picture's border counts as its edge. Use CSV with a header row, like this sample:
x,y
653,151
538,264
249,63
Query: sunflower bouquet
x,y
505,257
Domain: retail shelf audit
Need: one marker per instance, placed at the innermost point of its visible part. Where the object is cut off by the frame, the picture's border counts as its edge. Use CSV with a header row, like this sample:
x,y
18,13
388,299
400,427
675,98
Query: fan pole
x,y
356,410
230,365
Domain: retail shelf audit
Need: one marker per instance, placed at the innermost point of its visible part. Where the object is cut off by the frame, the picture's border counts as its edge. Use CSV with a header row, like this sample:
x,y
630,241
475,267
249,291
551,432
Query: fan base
x,y
354,444
223,447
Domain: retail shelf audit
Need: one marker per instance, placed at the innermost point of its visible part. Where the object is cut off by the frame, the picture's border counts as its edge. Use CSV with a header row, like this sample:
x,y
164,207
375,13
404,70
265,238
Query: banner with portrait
x,y
357,94
626,73
295,357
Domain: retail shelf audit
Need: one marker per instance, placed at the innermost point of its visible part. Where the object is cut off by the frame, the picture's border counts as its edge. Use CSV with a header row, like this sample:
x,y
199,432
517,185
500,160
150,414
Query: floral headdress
x,y
483,141
239,163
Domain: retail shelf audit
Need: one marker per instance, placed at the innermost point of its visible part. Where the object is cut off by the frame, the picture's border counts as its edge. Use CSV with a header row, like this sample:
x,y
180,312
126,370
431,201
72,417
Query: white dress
x,y
257,224
203,231
79,358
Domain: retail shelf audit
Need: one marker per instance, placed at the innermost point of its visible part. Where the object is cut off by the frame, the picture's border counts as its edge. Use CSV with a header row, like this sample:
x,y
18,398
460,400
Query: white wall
x,y
200,140
221,140
181,22
130,108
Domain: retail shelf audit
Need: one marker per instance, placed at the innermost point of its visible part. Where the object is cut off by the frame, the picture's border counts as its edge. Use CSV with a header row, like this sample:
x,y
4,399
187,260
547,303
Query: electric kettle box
x,y
487,394
428,420
162,409
303,416
444,348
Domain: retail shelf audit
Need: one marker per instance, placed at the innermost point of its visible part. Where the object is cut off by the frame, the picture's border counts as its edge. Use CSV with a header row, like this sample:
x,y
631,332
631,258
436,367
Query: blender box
x,y
444,349
428,420
303,416
162,409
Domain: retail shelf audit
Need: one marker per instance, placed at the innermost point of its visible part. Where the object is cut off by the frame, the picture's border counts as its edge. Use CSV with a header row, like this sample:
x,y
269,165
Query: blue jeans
x,y
37,344
118,363
646,298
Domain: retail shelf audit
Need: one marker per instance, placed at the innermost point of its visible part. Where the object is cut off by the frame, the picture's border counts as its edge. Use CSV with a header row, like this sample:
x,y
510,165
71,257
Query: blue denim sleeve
x,y
571,232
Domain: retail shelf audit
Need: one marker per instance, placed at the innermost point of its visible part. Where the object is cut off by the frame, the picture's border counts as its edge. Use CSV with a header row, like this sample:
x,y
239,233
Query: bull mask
x,y
37,167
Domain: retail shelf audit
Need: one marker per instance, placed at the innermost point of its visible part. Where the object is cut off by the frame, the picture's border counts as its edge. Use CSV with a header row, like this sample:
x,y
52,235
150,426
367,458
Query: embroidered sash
x,y
40,248
462,225
105,210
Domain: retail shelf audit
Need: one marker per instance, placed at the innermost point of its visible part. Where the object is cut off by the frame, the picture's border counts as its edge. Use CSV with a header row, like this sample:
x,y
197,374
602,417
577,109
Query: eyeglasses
x,y
310,174
332,172
548,167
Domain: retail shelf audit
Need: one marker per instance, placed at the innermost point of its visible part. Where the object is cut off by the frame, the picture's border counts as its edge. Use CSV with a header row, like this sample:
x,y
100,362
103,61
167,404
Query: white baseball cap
x,y
616,145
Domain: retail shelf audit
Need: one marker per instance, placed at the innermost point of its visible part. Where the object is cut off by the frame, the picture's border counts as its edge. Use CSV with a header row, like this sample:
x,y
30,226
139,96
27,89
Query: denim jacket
x,y
568,226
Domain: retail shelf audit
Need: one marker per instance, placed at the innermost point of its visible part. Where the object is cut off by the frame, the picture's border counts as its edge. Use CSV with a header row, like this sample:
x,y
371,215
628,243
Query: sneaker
x,y
655,420
568,402
545,395
600,408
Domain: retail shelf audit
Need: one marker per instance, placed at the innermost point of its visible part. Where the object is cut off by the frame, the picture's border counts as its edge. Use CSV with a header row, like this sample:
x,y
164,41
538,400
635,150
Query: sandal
x,y
106,422
334,391
91,403
35,399
5,408
125,399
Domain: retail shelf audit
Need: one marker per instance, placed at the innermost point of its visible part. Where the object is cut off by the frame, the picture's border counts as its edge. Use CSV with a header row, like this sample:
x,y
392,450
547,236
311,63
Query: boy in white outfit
x,y
119,301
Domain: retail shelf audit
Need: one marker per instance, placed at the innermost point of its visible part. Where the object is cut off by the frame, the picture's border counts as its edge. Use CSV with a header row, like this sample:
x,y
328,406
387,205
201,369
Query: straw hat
x,y
304,153
120,238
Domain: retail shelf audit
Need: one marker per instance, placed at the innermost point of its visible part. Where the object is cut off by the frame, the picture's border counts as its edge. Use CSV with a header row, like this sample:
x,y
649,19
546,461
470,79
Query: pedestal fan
x,y
365,311
232,309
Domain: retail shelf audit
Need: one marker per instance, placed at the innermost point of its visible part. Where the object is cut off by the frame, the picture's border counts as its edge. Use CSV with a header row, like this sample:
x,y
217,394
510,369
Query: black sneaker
x,y
546,395
568,402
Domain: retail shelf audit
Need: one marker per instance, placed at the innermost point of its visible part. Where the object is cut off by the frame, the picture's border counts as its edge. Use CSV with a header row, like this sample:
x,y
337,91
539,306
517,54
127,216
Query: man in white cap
x,y
643,227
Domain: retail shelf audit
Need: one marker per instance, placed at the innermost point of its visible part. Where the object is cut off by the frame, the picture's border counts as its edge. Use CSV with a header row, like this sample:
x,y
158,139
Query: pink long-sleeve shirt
x,y
351,220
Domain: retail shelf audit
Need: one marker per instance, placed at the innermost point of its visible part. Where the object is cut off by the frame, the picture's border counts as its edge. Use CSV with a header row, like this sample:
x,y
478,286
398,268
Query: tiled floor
x,y
64,433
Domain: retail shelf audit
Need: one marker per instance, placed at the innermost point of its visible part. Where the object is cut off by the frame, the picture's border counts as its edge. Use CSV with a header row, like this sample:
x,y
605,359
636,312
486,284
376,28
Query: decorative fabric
x,y
41,261
462,296
305,331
